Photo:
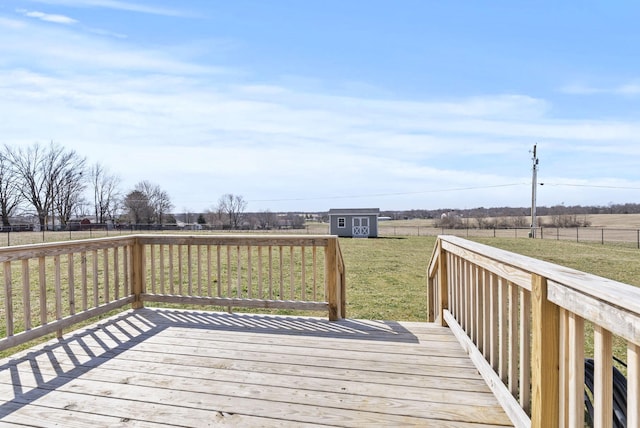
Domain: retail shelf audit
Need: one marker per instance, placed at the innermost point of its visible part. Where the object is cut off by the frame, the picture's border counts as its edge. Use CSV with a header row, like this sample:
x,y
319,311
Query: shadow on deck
x,y
163,367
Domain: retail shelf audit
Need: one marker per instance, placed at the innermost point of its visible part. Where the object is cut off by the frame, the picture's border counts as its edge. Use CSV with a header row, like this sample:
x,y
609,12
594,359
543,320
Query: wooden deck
x,y
164,367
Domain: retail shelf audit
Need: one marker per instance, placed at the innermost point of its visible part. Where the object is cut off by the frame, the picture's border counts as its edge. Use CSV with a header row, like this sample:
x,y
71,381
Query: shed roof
x,y
354,211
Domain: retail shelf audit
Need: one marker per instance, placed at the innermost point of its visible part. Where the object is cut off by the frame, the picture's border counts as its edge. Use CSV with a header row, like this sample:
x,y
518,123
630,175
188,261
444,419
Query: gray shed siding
x,y
349,215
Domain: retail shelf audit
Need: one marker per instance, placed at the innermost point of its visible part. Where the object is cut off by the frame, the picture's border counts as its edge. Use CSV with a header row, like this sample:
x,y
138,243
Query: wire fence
x,y
628,237
577,234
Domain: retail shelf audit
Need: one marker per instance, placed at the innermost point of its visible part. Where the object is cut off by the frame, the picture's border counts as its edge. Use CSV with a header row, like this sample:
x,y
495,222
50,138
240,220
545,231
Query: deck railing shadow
x,y
35,374
388,331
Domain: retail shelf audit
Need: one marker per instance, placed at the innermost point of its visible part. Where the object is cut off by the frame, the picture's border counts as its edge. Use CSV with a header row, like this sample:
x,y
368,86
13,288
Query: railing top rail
x,y
229,239
20,252
612,292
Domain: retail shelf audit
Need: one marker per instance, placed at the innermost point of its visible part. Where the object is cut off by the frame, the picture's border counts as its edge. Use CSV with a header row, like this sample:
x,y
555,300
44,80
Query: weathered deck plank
x,y
155,367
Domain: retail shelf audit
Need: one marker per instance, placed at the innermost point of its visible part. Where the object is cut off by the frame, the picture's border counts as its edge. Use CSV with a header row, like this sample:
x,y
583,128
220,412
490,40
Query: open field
x,y
614,221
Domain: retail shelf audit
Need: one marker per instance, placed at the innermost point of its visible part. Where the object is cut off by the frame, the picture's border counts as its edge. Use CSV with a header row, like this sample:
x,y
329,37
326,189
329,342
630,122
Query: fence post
x,y
545,357
331,277
442,283
137,285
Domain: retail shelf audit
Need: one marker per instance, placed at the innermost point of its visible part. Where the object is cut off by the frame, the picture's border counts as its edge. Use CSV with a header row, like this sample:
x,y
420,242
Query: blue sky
x,y
318,104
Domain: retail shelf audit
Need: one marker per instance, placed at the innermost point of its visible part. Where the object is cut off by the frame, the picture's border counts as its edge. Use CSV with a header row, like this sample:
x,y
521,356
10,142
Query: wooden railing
x,y
523,320
50,287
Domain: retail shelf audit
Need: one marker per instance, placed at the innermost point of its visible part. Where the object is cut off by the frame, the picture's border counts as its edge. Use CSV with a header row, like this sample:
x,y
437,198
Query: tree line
x,y
57,185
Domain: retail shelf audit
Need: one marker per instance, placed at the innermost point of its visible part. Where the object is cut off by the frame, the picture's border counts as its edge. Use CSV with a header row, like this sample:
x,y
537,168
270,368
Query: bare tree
x,y
137,207
233,207
266,220
68,189
48,175
158,200
9,191
105,193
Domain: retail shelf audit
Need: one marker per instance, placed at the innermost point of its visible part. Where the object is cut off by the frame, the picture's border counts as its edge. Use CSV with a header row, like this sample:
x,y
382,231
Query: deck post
x,y
442,283
137,286
545,357
331,277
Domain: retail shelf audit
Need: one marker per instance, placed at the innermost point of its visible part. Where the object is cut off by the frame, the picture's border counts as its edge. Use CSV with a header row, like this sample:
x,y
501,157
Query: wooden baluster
x,y
189,270
8,298
162,256
127,286
71,283
270,272
303,274
218,272
633,385
84,282
199,268
116,272
26,295
180,271
42,282
513,339
503,317
239,272
315,273
281,297
152,250
260,269
494,323
525,350
292,273
603,378
94,265
172,289
249,273
209,272
105,267
58,292
576,371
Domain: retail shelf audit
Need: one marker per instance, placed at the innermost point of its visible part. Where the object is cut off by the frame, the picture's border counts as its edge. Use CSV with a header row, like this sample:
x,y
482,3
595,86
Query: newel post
x,y
334,295
545,357
137,281
443,283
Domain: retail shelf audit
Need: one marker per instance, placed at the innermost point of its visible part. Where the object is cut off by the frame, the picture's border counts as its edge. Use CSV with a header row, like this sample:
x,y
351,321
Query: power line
x,y
595,186
454,189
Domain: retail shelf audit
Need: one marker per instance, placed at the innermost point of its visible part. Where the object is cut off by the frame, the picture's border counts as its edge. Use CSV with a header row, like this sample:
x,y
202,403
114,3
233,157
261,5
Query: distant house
x,y
354,222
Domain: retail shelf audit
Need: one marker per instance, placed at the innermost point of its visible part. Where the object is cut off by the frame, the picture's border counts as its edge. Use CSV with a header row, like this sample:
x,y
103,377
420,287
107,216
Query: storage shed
x,y
354,222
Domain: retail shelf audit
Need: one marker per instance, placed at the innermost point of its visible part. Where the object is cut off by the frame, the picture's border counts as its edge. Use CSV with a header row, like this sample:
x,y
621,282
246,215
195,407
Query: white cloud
x,y
48,17
118,5
630,88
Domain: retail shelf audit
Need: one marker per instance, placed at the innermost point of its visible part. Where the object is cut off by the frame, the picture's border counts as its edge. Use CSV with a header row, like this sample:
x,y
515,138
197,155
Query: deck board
x,y
164,367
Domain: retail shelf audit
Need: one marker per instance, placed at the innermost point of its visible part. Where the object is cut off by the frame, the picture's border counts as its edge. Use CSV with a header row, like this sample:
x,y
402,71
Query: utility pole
x,y
534,223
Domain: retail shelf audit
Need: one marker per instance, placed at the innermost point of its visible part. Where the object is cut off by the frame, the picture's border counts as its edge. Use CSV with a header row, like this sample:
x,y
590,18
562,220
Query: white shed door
x,y
361,226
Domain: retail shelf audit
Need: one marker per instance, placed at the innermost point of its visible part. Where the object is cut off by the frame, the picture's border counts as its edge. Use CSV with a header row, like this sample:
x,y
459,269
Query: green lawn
x,y
386,277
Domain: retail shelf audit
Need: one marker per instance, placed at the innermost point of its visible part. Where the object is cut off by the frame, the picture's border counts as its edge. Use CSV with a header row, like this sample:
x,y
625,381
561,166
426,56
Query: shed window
x,y
341,222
